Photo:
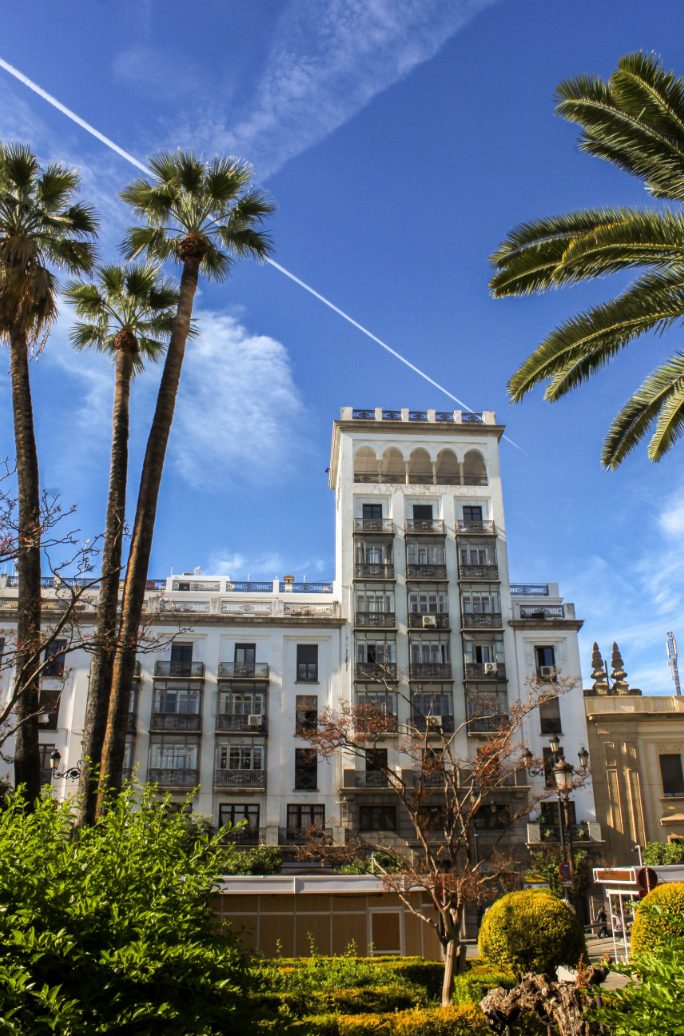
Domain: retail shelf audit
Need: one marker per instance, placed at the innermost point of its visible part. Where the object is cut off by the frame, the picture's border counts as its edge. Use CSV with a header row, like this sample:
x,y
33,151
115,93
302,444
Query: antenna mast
x,y
672,656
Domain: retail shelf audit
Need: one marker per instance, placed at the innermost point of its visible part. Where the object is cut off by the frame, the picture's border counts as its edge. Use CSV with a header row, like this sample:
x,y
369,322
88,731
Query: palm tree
x,y
42,229
636,121
202,216
127,314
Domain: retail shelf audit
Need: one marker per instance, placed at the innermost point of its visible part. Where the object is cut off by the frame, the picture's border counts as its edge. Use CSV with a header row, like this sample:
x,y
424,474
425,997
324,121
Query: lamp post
x,y
564,776
72,773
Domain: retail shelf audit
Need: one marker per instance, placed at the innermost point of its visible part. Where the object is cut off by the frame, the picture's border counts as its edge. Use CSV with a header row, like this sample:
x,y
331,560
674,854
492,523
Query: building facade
x,y
421,621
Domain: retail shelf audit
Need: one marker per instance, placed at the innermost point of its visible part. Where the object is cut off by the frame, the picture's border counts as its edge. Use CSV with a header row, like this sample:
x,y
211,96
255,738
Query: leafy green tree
x,y
652,1002
127,313
636,121
110,931
42,229
201,216
545,863
659,854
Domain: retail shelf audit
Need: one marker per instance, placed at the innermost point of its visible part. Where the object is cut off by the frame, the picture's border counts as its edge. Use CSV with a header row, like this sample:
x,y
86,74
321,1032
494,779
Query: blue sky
x,y
400,142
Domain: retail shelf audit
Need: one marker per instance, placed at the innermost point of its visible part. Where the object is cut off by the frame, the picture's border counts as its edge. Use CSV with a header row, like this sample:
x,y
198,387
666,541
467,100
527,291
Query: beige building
x,y
636,745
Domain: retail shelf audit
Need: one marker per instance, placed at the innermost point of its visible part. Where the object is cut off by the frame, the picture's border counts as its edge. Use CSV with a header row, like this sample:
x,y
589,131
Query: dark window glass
x,y
372,511
307,663
306,713
545,655
550,718
472,513
234,813
671,773
422,512
376,760
45,768
306,769
181,653
549,761
302,817
54,658
550,819
377,818
245,654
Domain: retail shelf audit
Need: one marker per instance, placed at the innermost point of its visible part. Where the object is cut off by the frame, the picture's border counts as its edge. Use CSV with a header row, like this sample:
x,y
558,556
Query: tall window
x,y
181,652
372,511
377,818
307,663
544,656
671,774
376,766
423,650
175,753
45,768
550,717
242,702
481,602
239,757
306,769
428,602
245,654
472,512
422,512
377,652
374,601
477,652
235,813
306,713
302,817
176,699
425,553
54,658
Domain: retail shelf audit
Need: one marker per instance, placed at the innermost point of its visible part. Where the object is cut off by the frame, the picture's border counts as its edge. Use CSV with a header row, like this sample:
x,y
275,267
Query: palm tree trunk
x,y
107,607
27,683
141,539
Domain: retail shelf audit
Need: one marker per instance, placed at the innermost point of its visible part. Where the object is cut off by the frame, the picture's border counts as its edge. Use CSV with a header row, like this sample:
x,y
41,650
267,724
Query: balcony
x,y
429,620
543,612
435,724
426,571
384,526
375,671
372,570
247,724
488,572
543,831
470,527
364,779
486,713
195,670
428,526
375,620
243,670
239,778
430,671
300,835
481,620
245,835
485,671
188,721
173,777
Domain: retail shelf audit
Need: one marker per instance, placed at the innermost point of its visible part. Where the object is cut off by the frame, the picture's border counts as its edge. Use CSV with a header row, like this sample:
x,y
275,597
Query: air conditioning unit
x,y
490,668
43,718
429,622
547,672
433,722
254,719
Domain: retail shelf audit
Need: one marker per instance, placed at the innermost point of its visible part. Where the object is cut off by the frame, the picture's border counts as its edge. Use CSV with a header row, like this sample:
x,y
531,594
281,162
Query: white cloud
x,y
672,518
159,74
238,409
327,62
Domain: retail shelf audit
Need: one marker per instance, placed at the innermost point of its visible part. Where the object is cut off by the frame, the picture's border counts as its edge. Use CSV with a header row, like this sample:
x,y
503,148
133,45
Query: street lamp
x,y
564,774
72,773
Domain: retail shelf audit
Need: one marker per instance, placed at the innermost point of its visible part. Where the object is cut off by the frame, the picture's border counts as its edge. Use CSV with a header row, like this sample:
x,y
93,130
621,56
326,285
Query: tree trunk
x,y
27,753
107,607
454,951
450,954
141,539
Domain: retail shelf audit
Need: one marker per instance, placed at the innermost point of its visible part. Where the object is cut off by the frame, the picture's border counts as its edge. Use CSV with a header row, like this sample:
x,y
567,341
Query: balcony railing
x,y
469,527
374,671
418,526
530,589
191,721
437,724
379,525
429,620
243,670
371,570
191,669
430,671
384,620
485,670
305,588
173,777
245,835
206,585
547,611
481,620
239,778
475,480
486,714
247,724
478,571
364,779
300,835
426,571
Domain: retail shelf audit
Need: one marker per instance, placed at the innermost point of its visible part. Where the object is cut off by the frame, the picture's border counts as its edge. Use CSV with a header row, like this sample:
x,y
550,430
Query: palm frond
x,y
642,87
661,393
645,237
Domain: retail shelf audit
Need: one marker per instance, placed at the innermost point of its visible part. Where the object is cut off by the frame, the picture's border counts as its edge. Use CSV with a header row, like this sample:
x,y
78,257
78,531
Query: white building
x,y
422,618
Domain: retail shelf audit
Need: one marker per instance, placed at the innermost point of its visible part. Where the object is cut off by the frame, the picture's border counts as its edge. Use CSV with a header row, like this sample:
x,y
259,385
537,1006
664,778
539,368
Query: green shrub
x,y
653,1003
476,982
464,1020
261,859
659,854
531,931
659,919
347,971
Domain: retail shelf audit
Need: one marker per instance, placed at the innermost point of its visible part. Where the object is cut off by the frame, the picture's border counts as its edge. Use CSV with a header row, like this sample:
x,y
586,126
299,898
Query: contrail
x,y
128,157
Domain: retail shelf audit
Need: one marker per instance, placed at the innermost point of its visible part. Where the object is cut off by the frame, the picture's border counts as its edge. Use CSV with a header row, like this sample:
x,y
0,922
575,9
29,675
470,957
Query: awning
x,y
672,818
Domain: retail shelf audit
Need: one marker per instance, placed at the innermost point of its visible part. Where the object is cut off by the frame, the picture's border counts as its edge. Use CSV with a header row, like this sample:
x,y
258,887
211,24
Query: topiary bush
x,y
475,983
659,919
531,931
464,1020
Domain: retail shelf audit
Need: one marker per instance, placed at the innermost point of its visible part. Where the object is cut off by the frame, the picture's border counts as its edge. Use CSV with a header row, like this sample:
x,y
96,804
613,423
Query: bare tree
x,y
461,799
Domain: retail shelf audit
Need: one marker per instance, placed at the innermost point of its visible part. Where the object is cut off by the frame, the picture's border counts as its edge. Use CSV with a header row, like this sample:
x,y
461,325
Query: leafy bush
x,y
531,931
262,859
475,983
347,971
659,919
660,854
110,931
464,1020
653,1003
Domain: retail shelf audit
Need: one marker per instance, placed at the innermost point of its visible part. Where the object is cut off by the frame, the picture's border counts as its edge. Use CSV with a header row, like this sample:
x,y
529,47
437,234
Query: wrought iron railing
x,y
532,611
190,721
371,570
233,721
245,835
481,620
429,620
381,525
364,779
430,670
530,589
426,571
438,724
249,587
374,671
239,778
301,835
306,588
475,480
468,526
478,571
384,620
173,777
190,669
485,670
207,585
243,670
427,525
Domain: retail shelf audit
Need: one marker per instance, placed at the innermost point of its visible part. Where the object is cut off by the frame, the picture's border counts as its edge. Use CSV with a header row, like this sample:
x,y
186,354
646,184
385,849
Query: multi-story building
x,y
421,620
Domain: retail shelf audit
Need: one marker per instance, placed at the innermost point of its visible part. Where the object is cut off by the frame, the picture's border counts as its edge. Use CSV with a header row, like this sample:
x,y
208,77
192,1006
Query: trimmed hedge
x,y
427,974
659,918
475,983
359,1000
531,931
464,1020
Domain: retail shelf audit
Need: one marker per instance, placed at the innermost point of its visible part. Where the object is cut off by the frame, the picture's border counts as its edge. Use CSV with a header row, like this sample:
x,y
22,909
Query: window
x,y
477,652
375,652
376,767
54,658
478,555
549,821
377,818
235,813
544,655
472,512
422,512
302,817
376,602
550,717
307,663
245,654
429,651
494,817
174,753
239,757
435,704
428,602
48,704
425,554
671,774
481,603
128,757
181,652
306,769
306,715
176,699
549,760
45,768
242,701
372,511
